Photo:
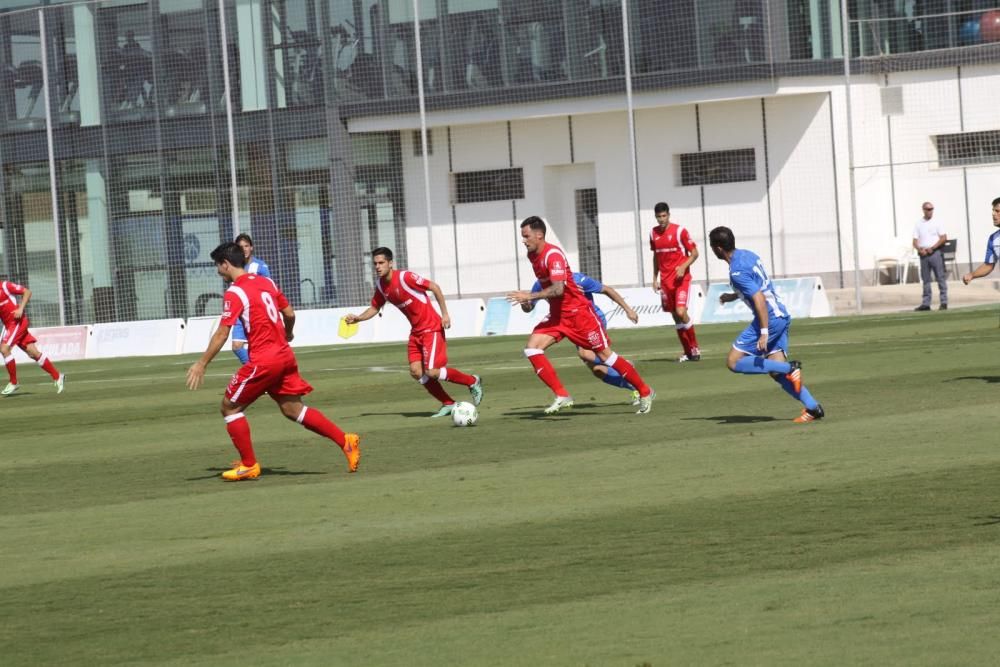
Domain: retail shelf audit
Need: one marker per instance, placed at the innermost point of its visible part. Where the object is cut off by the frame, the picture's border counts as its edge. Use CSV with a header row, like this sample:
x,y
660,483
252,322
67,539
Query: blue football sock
x,y
242,354
615,379
804,395
759,365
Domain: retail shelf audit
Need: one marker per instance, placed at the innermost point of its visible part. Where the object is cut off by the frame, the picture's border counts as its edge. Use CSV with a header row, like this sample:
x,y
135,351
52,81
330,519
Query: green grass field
x,y
712,531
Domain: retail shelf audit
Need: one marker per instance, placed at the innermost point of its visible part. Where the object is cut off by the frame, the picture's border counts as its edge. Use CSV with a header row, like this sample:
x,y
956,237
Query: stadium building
x,y
131,132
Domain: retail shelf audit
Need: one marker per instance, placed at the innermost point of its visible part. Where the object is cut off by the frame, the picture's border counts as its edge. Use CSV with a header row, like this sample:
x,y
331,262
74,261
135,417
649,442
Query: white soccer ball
x,y
464,414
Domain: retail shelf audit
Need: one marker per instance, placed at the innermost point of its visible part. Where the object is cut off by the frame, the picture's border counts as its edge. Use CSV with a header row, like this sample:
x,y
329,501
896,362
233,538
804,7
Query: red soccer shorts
x,y
674,293
16,334
429,348
582,328
276,376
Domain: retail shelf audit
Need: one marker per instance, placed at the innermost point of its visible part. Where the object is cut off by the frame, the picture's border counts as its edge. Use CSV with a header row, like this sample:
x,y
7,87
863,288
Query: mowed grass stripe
x,y
116,534
330,591
784,618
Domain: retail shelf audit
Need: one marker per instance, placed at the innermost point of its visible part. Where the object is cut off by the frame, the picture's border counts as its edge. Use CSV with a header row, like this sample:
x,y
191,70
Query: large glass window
x,y
297,57
474,49
184,62
663,35
21,72
353,66
535,39
29,246
126,47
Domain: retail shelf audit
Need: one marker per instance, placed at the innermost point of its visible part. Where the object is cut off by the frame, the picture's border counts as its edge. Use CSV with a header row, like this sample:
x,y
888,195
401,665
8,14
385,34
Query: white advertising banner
x,y
198,332
323,327
136,339
803,297
504,319
59,343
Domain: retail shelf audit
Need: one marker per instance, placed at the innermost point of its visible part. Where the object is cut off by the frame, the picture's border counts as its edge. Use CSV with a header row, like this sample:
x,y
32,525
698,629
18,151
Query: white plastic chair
x,y
897,253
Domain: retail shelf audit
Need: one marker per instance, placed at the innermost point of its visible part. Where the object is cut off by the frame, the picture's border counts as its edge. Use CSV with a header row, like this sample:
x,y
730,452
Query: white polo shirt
x,y
927,232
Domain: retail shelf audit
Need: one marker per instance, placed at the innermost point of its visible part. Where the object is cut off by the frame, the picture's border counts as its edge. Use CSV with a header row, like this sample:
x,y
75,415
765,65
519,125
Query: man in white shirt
x,y
928,237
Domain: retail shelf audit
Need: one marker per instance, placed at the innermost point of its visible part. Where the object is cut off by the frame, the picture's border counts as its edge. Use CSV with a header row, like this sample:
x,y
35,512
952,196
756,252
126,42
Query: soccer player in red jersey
x,y
570,316
272,369
16,334
427,349
673,254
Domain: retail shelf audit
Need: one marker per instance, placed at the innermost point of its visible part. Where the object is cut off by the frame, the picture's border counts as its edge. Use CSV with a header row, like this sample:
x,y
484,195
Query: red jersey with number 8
x,y
257,302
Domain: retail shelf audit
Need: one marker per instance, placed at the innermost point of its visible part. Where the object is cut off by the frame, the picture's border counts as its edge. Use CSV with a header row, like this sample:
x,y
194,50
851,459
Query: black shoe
x,y
922,308
694,357
943,306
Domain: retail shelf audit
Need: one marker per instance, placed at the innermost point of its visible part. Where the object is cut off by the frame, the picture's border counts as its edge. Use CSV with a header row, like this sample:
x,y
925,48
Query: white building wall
x,y
806,194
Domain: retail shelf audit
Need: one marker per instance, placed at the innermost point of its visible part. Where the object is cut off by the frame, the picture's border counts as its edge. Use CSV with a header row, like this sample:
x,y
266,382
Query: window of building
x,y
713,167
491,185
418,143
968,148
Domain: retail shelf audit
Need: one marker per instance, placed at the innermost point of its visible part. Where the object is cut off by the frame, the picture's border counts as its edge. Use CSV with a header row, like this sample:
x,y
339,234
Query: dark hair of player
x,y
662,207
244,237
722,237
535,223
995,202
382,250
229,252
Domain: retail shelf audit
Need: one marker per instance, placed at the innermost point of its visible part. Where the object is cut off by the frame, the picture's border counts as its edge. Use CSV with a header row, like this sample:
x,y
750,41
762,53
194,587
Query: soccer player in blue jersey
x,y
762,346
589,286
992,249
253,265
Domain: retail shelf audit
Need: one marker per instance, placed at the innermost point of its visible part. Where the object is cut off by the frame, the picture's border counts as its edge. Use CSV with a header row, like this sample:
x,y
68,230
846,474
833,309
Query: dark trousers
x,y
933,263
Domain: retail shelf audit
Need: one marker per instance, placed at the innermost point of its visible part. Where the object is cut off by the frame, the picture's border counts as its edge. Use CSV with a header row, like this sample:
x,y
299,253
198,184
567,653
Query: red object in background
x,y
989,26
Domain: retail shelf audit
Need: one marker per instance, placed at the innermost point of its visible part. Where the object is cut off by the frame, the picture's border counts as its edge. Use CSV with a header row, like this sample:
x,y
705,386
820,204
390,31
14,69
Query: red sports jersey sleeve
x,y
232,307
378,299
415,281
686,240
558,268
8,304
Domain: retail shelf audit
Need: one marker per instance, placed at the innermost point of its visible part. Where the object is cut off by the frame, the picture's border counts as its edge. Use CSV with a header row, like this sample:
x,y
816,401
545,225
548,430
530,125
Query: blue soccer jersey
x,y
747,276
257,266
589,286
992,248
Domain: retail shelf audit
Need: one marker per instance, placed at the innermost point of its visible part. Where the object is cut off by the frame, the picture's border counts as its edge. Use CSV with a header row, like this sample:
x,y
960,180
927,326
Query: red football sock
x,y
239,431
683,338
628,372
435,389
692,341
547,373
11,368
457,376
316,421
47,366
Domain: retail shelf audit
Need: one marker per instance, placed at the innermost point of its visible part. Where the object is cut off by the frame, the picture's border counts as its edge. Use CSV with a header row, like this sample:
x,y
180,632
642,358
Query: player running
x,y
570,316
589,286
427,349
272,369
673,254
762,346
255,266
16,334
992,249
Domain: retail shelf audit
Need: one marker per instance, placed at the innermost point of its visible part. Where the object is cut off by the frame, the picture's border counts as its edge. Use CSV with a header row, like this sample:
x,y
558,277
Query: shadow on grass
x,y
988,520
736,419
538,413
216,472
409,415
991,379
